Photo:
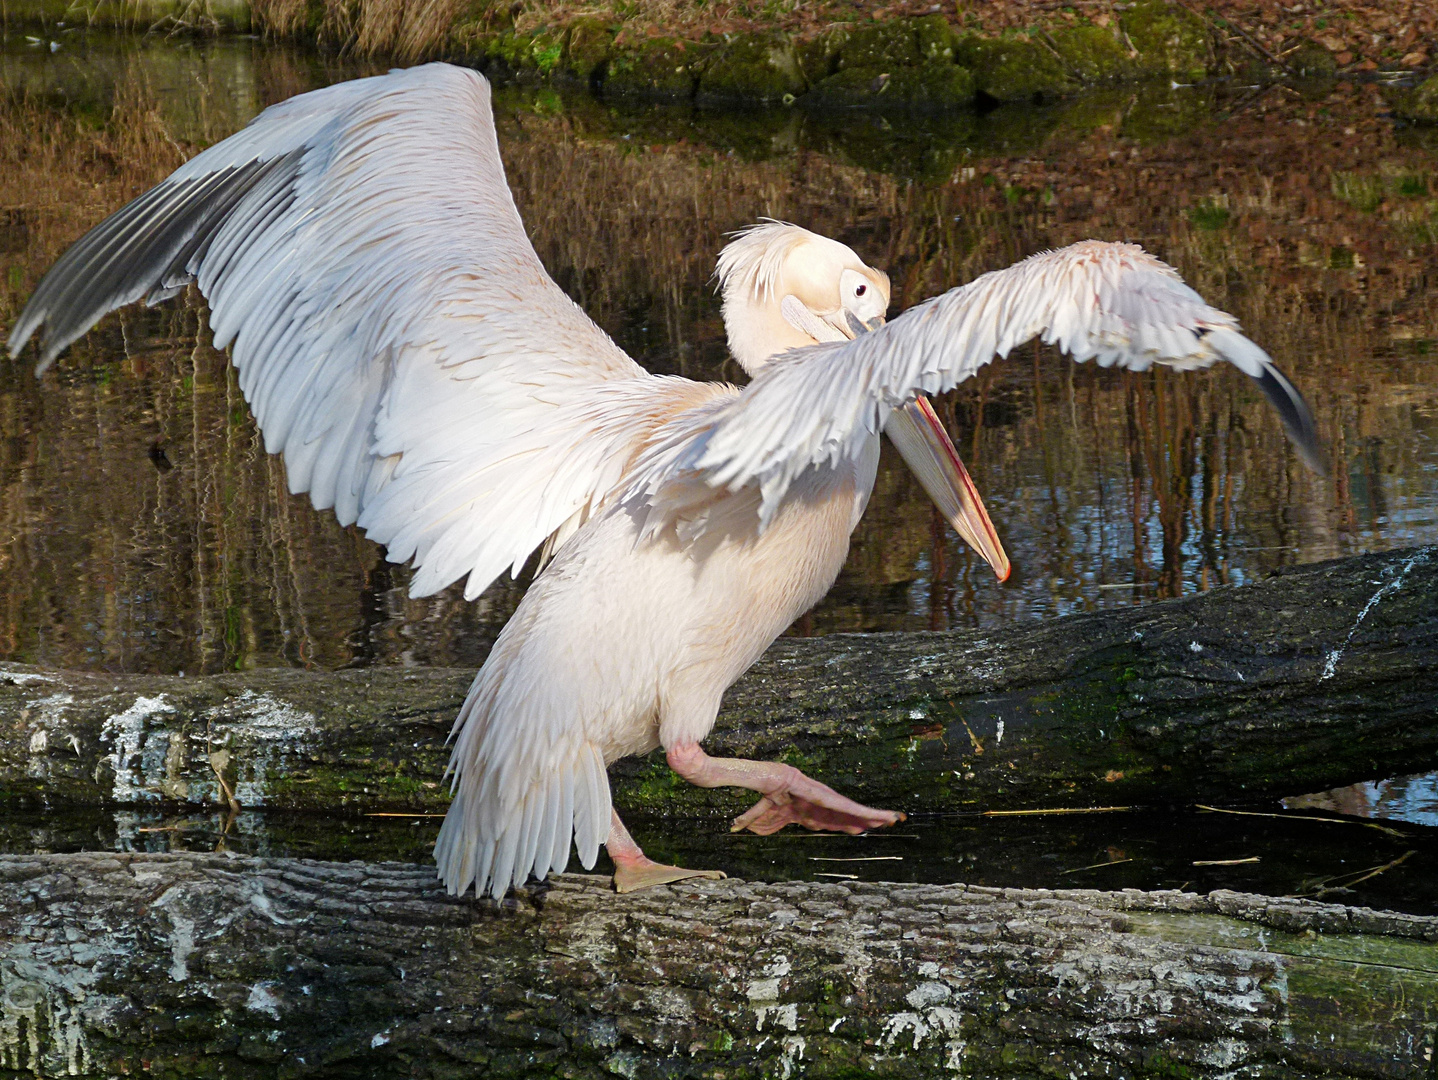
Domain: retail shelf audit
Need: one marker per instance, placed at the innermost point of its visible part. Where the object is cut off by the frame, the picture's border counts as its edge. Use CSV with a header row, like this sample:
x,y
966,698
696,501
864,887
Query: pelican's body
x,y
403,348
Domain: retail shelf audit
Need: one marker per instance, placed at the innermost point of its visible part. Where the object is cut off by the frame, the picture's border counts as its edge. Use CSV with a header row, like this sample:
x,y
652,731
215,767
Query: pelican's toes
x,y
773,812
631,877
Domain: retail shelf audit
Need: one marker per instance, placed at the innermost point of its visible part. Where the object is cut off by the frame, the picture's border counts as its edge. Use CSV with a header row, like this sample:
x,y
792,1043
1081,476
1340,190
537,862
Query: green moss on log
x,y
587,49
758,68
1419,103
1015,67
1170,40
661,67
905,63
819,55
1094,54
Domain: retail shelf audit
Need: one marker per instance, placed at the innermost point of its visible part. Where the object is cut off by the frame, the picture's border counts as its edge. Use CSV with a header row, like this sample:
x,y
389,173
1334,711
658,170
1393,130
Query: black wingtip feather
x,y
144,250
1296,416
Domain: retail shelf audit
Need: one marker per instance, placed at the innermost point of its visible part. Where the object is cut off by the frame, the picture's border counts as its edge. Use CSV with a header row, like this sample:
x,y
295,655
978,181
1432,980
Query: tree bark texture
x,y
1321,676
216,966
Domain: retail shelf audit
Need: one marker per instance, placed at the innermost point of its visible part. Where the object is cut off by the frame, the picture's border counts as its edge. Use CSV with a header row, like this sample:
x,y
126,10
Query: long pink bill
x,y
920,437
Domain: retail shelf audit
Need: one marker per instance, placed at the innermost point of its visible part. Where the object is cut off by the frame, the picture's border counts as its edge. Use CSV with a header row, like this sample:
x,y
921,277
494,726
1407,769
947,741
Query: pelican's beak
x,y
920,437
857,327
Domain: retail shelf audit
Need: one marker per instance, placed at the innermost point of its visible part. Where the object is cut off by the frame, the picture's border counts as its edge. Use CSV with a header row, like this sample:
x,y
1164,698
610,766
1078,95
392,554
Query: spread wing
x,y
394,331
1112,303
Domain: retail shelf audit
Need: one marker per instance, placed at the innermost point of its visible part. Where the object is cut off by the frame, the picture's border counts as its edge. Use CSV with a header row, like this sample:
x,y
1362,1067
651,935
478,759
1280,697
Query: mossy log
x,y
212,966
1317,677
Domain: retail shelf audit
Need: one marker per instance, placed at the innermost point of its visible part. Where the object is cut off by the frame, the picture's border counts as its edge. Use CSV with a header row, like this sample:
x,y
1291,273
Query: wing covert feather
x,y
395,333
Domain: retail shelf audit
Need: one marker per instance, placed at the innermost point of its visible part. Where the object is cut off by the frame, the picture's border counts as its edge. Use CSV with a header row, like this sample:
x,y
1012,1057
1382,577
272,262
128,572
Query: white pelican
x,y
402,346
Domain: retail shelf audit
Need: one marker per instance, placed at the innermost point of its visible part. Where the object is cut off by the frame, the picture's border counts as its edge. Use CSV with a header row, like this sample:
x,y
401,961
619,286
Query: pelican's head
x,y
785,287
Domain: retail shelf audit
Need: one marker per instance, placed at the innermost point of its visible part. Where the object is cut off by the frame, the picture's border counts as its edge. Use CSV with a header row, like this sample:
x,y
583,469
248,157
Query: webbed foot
x,y
631,875
773,812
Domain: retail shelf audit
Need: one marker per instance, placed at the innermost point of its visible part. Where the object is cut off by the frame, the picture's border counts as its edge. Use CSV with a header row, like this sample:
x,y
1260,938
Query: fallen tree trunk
x,y
206,965
1321,676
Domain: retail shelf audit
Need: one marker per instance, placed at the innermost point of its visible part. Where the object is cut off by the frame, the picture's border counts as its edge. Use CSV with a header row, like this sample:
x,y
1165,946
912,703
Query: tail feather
x,y
483,845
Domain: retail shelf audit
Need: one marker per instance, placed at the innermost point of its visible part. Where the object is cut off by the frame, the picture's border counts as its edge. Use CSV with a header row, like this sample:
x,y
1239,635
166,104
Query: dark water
x,y
142,527
1287,855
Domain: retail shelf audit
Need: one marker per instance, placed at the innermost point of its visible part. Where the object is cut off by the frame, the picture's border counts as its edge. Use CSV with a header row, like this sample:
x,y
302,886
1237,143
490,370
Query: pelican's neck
x,y
758,332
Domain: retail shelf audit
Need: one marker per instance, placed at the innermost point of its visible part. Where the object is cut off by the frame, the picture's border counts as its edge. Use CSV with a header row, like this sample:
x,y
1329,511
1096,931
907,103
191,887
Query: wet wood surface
x,y
210,965
1321,676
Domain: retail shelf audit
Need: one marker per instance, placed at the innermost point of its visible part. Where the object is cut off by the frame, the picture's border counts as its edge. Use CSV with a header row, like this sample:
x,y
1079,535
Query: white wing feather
x,y
1111,303
395,333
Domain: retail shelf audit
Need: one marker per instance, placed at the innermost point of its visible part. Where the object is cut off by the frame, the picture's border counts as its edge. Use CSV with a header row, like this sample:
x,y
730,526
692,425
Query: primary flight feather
x,y
403,348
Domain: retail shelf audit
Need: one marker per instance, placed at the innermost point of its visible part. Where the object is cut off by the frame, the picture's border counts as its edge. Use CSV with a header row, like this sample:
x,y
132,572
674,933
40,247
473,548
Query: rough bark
x,y
205,965
1321,676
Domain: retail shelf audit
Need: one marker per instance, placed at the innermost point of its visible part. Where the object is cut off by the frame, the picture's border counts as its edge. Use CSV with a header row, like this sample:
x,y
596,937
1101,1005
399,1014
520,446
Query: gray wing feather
x,y
145,250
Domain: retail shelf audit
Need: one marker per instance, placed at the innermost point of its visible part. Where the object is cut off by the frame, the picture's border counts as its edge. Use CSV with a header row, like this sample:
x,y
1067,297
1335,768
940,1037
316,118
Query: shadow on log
x,y
1320,676
207,965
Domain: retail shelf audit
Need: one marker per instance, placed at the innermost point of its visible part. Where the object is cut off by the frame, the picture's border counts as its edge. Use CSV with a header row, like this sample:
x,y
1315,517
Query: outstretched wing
x,y
1112,303
394,331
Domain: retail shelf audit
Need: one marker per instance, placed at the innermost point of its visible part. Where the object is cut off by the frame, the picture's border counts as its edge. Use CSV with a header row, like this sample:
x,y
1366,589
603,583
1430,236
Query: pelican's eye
x,y
861,290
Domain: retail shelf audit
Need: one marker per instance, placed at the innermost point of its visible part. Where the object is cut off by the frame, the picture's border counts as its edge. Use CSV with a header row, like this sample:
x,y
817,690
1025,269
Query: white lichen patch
x,y
791,1053
763,997
262,1000
49,1000
22,678
939,1021
38,767
271,719
182,944
928,993
259,731
48,727
132,756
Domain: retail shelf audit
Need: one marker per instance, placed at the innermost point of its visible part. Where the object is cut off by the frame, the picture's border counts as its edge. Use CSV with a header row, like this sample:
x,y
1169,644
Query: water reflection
x,y
1314,220
1403,798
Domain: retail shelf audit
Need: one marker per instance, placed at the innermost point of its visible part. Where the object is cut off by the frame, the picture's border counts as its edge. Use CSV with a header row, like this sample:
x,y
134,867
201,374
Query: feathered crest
x,y
752,261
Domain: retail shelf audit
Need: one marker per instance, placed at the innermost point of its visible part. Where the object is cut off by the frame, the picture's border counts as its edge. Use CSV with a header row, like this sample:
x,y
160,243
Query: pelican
x,y
403,348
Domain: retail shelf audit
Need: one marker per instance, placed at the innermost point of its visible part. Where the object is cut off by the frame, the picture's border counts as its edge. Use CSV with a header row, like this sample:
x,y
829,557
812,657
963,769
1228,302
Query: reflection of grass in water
x,y
1362,191
1209,216
1412,187
1368,191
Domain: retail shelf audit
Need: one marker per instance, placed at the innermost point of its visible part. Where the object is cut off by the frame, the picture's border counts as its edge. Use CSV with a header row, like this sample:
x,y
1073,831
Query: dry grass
x,y
409,30
1394,33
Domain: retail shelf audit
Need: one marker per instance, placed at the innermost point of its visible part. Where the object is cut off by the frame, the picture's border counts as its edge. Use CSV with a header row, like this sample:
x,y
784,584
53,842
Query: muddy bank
x,y
915,57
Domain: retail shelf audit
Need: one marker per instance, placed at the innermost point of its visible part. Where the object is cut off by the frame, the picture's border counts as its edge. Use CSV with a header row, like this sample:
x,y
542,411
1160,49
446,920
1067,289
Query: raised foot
x,y
631,875
773,812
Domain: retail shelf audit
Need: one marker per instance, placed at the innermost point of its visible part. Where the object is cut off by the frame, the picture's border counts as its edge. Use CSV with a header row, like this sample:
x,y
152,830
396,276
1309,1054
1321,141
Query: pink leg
x,y
788,795
634,870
